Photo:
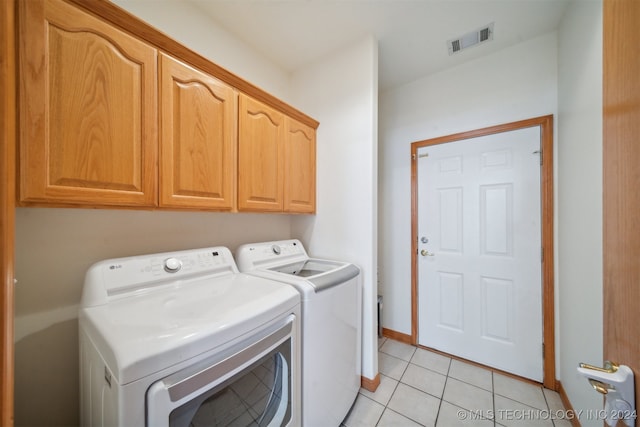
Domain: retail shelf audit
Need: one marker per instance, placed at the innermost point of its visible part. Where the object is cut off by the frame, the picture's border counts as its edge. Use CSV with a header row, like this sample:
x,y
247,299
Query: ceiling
x,y
412,34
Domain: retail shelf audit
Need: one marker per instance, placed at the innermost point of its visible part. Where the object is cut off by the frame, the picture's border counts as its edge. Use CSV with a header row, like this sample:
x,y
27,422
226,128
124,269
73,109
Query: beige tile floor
x,y
422,388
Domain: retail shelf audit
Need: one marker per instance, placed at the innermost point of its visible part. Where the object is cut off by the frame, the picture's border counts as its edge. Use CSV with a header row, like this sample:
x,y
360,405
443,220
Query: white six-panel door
x,y
479,250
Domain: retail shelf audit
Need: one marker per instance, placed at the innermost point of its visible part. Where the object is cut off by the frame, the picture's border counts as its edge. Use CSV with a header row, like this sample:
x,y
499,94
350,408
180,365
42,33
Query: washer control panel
x,y
267,254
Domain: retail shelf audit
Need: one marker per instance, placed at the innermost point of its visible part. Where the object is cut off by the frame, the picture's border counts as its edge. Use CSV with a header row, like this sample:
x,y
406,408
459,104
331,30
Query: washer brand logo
x,y
115,266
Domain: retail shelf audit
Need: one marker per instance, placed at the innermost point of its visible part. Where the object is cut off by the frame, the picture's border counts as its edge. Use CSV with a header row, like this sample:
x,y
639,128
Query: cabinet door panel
x,y
260,156
300,168
88,109
197,138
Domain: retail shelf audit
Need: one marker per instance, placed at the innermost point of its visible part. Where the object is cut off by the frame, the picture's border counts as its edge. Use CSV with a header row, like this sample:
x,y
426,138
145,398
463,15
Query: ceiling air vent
x,y
473,38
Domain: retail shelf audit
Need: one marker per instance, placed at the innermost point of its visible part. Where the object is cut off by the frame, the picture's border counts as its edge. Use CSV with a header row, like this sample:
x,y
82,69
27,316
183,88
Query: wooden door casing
x,y
88,108
621,180
260,156
7,205
299,167
197,138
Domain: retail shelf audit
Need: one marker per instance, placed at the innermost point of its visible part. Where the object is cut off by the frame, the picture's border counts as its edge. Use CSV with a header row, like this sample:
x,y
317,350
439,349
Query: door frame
x,y
547,229
621,152
7,203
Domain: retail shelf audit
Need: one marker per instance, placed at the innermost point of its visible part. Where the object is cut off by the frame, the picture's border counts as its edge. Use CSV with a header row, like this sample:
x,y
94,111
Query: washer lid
x,y
151,331
321,273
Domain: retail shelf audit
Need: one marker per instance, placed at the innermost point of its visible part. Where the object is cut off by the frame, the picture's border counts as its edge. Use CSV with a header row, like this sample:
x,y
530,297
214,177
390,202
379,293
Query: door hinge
x,y
413,156
543,350
541,254
540,152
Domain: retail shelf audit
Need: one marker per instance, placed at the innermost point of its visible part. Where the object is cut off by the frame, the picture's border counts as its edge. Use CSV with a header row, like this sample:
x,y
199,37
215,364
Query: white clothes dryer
x,y
183,339
331,324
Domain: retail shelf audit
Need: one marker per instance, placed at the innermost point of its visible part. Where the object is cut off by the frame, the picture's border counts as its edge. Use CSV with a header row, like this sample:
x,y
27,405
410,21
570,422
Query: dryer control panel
x,y
115,277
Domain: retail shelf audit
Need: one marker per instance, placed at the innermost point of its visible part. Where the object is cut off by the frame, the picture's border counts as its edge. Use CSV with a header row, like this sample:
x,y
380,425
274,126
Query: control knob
x,y
172,265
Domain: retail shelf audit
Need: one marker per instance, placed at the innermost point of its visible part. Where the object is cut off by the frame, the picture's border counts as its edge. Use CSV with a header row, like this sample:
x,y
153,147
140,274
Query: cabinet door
x,y
260,156
299,168
197,149
88,108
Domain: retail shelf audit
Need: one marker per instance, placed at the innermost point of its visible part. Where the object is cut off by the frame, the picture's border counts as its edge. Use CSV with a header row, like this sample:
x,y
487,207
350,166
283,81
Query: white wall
x,y
54,247
341,92
514,84
188,25
580,199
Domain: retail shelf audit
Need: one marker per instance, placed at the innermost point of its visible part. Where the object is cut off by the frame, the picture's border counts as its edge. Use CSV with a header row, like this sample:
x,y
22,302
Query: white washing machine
x,y
183,339
331,324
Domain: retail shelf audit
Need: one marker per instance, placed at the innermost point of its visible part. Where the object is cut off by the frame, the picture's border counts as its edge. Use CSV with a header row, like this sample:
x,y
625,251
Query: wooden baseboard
x,y
370,384
398,336
575,422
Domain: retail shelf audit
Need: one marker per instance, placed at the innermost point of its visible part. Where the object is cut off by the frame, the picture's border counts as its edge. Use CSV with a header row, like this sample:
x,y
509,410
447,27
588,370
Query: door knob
x,y
608,368
425,252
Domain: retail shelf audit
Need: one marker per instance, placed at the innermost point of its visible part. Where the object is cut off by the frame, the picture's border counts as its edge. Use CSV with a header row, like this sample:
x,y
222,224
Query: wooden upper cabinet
x,y
299,168
106,119
88,109
260,156
197,138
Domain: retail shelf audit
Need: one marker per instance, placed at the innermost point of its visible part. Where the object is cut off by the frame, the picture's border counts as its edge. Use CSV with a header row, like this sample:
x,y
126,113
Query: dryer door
x,y
251,386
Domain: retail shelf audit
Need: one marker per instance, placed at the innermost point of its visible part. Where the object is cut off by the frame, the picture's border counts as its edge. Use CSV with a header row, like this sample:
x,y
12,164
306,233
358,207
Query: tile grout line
x,y
446,380
493,399
386,405
396,387
544,395
399,381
